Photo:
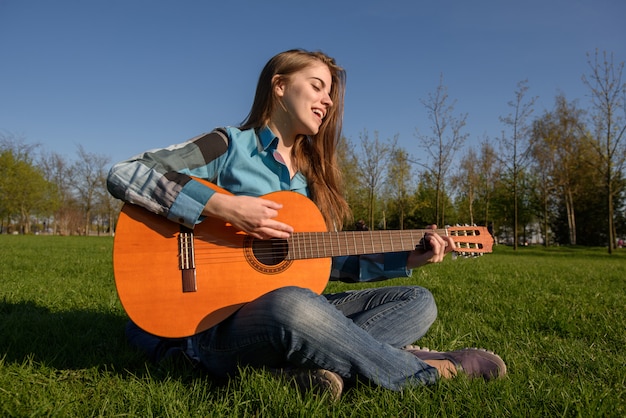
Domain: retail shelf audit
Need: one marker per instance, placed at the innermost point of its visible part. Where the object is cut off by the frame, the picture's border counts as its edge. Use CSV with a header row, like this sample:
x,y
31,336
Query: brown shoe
x,y
474,362
319,381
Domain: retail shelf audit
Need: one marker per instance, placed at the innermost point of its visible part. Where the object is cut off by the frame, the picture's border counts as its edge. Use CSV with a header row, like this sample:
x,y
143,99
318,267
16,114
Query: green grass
x,y
557,317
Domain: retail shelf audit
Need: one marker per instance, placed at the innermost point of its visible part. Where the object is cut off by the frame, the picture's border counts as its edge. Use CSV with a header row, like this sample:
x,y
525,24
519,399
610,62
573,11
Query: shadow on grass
x,y
65,339
80,339
70,339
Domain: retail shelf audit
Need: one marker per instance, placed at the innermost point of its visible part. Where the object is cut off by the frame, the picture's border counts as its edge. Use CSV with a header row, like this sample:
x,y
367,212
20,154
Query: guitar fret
x,y
337,237
328,247
297,246
302,247
360,239
319,244
379,237
314,245
353,242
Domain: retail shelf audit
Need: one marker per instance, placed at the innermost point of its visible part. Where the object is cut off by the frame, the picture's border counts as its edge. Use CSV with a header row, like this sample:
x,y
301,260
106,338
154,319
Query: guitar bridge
x,y
186,259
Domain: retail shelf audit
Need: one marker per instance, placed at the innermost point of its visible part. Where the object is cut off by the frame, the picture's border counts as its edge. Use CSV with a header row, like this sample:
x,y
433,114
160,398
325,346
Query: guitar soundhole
x,y
270,251
268,256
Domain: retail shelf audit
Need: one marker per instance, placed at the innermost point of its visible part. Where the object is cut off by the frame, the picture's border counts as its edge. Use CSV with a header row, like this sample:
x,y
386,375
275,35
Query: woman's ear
x,y
278,85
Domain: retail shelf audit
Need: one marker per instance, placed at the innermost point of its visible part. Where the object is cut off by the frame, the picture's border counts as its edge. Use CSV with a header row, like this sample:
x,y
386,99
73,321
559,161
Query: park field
x,y
557,316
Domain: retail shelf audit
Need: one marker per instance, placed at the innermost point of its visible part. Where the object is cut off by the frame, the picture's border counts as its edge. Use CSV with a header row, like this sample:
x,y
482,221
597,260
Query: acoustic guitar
x,y
175,282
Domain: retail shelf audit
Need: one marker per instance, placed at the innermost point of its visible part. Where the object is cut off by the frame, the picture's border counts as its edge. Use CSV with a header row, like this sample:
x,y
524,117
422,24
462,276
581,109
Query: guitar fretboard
x,y
306,245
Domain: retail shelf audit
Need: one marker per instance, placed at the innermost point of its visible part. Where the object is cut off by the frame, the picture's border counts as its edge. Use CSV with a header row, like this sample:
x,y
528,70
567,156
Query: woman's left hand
x,y
438,246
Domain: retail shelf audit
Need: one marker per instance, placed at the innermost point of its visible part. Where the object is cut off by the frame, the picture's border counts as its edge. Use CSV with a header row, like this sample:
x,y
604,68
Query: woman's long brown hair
x,y
314,155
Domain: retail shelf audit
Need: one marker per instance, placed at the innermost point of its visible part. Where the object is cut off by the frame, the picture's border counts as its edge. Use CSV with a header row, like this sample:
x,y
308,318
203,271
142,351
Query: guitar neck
x,y
304,245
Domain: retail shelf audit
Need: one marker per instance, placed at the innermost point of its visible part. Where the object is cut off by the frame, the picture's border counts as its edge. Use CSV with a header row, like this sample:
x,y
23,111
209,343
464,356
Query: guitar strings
x,y
322,244
207,249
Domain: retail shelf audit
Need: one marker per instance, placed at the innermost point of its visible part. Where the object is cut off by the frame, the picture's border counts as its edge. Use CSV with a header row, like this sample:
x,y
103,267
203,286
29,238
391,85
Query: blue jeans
x,y
356,334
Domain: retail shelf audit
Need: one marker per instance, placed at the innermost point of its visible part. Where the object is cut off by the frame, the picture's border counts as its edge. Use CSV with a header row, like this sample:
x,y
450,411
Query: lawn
x,y
557,317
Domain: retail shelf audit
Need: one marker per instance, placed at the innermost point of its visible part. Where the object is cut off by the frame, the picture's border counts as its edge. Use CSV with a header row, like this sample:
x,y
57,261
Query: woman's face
x,y
304,99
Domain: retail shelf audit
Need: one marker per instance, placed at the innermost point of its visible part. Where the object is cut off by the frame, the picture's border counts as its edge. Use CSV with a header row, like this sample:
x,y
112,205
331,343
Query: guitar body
x,y
228,267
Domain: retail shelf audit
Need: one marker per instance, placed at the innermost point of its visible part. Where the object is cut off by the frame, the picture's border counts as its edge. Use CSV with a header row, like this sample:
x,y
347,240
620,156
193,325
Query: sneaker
x,y
474,362
319,381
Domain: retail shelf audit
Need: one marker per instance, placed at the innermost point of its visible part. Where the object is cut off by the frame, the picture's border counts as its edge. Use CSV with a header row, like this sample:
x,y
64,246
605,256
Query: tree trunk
x,y
571,217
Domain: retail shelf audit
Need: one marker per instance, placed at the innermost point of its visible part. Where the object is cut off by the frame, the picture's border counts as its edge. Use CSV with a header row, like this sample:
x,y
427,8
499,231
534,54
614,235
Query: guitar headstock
x,y
471,240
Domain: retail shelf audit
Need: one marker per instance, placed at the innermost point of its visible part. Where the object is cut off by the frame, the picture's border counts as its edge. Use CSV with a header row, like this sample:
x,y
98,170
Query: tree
x,y
474,184
90,171
501,206
544,188
353,186
488,172
424,211
590,198
399,184
58,171
556,147
515,148
372,164
18,147
608,94
24,192
106,209
468,182
441,145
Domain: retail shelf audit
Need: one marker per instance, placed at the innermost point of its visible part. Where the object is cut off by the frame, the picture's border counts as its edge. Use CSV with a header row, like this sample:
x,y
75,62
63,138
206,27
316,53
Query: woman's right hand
x,y
252,215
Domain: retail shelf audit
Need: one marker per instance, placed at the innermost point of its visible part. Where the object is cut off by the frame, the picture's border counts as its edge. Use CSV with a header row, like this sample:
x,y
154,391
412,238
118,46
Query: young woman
x,y
288,142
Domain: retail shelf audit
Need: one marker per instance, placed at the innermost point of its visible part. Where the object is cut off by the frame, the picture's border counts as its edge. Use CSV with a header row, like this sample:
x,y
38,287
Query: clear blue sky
x,y
123,76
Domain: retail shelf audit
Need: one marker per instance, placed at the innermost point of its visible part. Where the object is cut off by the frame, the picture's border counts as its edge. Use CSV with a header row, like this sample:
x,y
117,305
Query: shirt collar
x,y
267,137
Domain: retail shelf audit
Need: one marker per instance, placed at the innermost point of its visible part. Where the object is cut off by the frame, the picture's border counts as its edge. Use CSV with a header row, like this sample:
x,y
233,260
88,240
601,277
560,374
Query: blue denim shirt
x,y
242,162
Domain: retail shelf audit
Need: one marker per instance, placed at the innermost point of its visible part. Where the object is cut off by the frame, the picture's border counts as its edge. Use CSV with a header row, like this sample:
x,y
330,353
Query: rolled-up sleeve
x,y
188,205
162,180
370,268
